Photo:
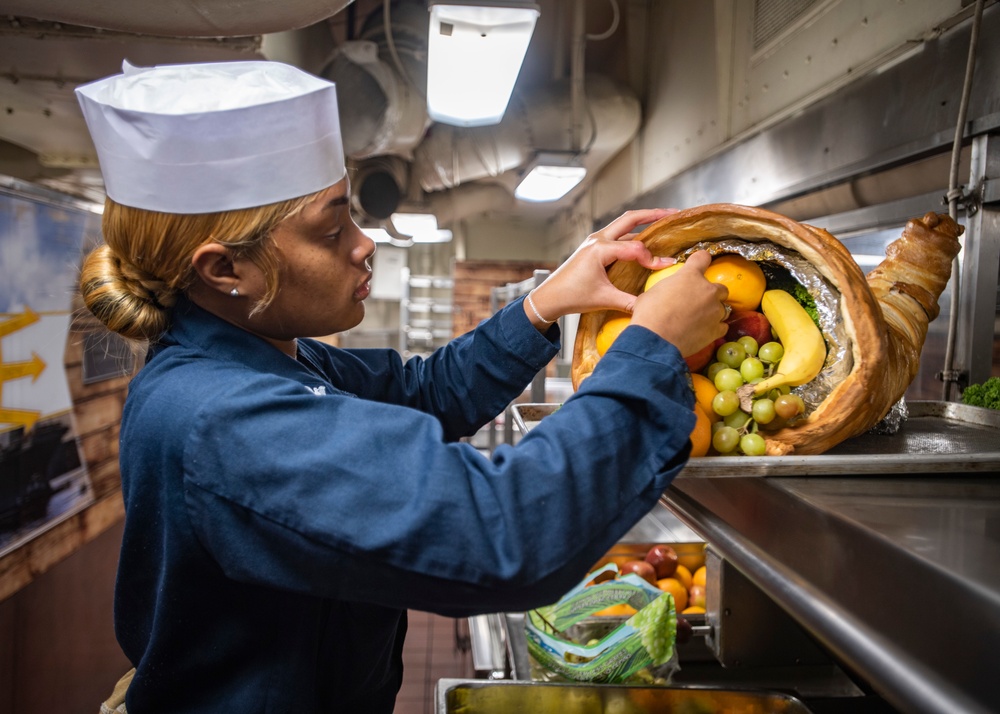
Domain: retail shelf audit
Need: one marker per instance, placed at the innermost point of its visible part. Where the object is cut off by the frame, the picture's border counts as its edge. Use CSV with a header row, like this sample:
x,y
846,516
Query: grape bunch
x,y
739,363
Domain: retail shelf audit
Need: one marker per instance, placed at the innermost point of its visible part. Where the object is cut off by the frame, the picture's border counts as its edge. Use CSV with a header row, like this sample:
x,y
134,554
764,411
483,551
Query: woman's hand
x,y
684,308
581,283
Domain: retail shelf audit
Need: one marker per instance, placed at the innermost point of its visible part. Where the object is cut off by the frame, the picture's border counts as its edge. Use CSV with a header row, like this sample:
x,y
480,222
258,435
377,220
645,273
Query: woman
x,y
287,501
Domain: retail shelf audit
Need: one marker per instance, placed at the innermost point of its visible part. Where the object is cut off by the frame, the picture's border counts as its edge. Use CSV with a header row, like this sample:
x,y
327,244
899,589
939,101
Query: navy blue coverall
x,y
282,514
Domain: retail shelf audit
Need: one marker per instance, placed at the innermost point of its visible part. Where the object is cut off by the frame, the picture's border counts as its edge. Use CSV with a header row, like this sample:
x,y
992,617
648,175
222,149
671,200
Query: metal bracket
x,y
953,376
969,199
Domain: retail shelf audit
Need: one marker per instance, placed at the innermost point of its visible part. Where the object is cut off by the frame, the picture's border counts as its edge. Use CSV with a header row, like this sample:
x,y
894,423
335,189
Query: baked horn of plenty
x,y
873,327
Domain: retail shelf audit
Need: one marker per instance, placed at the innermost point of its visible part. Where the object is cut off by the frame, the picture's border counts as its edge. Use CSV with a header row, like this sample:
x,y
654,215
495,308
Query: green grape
x,y
725,403
716,425
731,354
714,369
726,440
737,420
752,445
751,369
763,411
728,379
771,352
789,405
749,344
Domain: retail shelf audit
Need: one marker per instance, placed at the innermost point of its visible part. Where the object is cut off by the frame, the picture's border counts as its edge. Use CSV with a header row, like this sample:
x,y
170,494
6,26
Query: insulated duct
x,y
380,79
540,121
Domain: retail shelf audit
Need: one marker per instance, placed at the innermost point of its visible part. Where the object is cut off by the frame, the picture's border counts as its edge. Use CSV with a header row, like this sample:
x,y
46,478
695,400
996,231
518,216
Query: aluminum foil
x,y
894,420
839,358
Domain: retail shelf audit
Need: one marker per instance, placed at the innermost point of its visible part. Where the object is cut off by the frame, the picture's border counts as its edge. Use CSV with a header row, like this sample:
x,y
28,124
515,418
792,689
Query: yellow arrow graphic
x,y
18,322
16,370
19,416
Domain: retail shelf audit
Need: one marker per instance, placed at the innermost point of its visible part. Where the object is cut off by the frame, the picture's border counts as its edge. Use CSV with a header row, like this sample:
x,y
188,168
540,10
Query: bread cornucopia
x,y
873,326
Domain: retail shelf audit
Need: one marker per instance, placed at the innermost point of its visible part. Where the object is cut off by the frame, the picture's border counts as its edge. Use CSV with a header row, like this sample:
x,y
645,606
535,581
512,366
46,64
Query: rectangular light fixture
x,y
552,176
421,227
474,54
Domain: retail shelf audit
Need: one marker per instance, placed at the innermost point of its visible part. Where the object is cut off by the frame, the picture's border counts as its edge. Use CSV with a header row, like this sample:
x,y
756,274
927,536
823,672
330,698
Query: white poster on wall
x,y
387,273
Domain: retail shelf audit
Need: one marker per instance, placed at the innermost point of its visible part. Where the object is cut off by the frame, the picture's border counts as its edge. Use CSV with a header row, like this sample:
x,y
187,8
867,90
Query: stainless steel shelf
x,y
899,577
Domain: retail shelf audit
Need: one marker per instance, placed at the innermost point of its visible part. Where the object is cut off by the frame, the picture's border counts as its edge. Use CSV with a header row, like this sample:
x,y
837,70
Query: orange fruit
x,y
675,588
704,393
699,577
701,435
743,277
693,610
610,330
692,560
658,275
684,575
623,610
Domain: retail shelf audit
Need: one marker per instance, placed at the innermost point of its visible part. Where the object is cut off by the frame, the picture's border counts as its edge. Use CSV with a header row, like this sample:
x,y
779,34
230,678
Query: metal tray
x,y
937,437
508,697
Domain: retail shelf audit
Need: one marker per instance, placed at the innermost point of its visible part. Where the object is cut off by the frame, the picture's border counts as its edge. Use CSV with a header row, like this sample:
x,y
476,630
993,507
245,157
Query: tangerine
x,y
610,330
744,278
699,577
684,575
675,588
658,275
701,435
704,393
623,610
693,610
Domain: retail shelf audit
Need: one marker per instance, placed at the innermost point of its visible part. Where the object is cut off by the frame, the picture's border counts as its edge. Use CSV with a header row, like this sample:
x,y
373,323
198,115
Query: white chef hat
x,y
202,138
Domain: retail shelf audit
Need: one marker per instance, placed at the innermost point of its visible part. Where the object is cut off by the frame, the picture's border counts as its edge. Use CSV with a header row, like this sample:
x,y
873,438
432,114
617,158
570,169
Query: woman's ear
x,y
213,263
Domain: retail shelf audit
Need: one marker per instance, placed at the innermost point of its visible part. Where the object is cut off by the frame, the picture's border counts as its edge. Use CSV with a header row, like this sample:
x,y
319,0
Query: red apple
x,y
702,357
663,558
684,630
748,322
696,596
641,568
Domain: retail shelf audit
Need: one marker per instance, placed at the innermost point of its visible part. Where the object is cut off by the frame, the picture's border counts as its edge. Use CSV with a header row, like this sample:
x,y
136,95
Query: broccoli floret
x,y
807,301
986,394
779,278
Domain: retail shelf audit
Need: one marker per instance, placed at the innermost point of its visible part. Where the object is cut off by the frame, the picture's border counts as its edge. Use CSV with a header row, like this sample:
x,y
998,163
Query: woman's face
x,y
324,272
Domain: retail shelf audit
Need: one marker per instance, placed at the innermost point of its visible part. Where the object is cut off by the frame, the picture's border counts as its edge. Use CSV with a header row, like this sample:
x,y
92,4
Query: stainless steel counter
x,y
886,549
899,577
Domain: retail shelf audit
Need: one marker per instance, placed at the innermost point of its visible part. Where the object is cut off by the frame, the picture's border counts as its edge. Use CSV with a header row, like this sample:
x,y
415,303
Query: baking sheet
x,y
937,437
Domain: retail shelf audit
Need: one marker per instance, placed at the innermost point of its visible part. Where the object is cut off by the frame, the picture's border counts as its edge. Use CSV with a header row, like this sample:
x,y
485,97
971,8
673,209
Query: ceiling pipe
x,y
451,156
588,115
181,18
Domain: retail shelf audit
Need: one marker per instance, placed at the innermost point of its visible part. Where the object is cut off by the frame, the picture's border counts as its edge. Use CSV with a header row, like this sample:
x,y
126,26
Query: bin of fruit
x,y
623,622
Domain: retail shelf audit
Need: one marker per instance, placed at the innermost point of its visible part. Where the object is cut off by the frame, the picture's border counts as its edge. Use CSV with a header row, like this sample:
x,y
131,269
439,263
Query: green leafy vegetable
x,y
779,278
986,394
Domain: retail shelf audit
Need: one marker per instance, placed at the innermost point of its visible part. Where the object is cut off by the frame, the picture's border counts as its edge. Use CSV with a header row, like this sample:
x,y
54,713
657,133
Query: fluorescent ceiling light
x,y
474,54
421,227
379,235
551,177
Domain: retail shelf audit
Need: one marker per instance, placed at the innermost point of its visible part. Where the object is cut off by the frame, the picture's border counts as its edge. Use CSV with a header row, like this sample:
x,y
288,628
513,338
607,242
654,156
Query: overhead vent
x,y
772,18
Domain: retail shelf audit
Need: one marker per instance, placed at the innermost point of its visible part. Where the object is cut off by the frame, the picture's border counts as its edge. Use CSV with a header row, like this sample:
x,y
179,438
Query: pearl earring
x,y
234,292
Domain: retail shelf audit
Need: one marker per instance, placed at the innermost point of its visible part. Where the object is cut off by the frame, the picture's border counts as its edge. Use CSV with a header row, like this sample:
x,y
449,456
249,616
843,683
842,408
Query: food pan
x,y
461,696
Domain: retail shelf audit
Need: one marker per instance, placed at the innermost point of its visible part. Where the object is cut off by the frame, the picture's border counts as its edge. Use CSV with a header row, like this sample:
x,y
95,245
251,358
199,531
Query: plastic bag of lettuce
x,y
639,650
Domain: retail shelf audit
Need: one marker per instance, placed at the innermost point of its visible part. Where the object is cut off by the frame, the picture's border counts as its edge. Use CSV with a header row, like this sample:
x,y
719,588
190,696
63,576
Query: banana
x,y
805,349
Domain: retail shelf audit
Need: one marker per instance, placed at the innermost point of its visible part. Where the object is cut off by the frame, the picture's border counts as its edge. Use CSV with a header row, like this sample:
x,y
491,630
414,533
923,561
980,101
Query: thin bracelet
x,y
531,304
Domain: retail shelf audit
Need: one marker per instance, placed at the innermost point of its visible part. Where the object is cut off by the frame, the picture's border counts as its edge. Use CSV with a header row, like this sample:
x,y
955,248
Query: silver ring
x,y
729,309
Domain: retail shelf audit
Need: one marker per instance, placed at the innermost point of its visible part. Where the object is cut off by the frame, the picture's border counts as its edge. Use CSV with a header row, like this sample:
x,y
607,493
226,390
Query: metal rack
x,y
425,312
500,296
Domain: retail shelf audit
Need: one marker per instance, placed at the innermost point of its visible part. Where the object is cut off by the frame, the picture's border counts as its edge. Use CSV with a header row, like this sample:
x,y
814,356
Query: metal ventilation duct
x,y
181,18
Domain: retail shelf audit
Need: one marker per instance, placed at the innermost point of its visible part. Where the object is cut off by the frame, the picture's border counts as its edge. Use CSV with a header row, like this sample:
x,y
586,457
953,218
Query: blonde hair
x,y
131,281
